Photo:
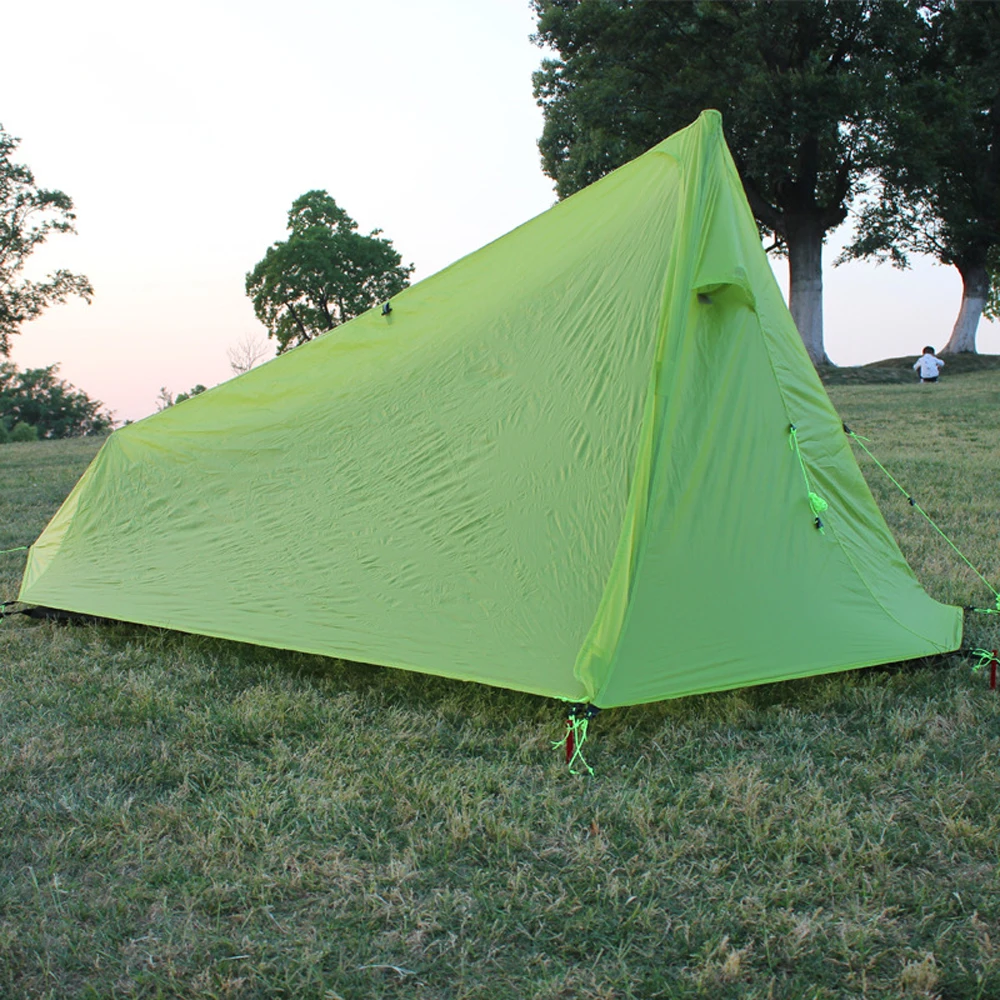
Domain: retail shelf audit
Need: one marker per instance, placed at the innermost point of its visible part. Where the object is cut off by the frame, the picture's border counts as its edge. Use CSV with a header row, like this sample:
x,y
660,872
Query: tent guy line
x,y
860,441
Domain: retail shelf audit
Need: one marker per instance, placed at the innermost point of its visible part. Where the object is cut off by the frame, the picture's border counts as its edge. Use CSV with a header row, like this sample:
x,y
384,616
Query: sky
x,y
184,131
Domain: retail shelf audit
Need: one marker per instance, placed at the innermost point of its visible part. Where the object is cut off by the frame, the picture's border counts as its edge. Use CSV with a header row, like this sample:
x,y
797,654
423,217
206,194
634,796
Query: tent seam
x,y
642,468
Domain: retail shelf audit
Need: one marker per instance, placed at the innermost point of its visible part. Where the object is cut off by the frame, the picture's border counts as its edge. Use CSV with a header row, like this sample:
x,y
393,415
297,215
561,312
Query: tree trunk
x,y
805,284
975,288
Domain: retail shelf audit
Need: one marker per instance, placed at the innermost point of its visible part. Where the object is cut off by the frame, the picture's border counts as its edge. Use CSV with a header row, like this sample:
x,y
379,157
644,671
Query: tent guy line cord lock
x,y
920,510
816,503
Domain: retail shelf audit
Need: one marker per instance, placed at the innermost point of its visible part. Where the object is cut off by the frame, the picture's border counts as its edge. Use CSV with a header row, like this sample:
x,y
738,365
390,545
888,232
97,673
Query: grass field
x,y
186,817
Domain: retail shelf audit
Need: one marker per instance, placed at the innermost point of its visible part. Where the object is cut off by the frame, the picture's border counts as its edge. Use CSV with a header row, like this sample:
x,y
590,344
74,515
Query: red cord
x,y
571,743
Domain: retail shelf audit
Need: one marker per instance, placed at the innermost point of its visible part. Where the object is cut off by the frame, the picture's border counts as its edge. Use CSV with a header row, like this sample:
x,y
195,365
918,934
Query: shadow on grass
x,y
237,667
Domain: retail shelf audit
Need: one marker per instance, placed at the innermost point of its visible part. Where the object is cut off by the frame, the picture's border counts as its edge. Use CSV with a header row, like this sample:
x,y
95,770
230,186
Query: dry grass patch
x,y
184,817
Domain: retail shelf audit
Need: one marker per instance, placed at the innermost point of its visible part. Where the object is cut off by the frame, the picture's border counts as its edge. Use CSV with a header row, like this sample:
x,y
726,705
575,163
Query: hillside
x,y
900,370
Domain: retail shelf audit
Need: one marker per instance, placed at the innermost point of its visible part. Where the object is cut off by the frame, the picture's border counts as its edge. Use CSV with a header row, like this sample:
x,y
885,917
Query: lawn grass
x,y
187,817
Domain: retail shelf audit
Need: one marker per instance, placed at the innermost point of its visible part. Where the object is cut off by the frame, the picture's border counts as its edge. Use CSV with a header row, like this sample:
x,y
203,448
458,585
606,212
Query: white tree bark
x,y
805,287
975,287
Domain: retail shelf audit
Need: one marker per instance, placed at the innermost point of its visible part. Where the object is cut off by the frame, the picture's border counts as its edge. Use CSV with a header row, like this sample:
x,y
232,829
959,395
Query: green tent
x,y
562,465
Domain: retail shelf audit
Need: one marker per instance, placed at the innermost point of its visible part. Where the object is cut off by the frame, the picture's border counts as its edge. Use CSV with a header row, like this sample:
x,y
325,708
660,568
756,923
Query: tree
x,y
324,274
38,398
28,215
165,398
246,352
195,390
940,191
801,86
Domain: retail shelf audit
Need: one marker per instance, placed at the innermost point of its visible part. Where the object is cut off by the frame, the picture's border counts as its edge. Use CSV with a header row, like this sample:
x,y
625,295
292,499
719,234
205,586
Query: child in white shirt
x,y
928,366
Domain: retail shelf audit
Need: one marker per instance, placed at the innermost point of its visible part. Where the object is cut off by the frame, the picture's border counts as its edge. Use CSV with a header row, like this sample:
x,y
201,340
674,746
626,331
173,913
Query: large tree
x,y
940,193
801,87
324,274
28,215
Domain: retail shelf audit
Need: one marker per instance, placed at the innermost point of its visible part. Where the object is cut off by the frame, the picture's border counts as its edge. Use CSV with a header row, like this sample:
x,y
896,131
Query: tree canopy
x,y
323,274
28,216
38,398
802,88
940,190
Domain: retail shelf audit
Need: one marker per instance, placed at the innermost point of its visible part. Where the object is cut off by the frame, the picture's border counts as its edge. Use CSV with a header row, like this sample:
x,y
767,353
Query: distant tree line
x,y
889,108
37,404
243,355
165,398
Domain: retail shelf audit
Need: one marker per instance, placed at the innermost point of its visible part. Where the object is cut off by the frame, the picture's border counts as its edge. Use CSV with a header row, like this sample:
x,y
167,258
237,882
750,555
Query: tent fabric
x,y
560,465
